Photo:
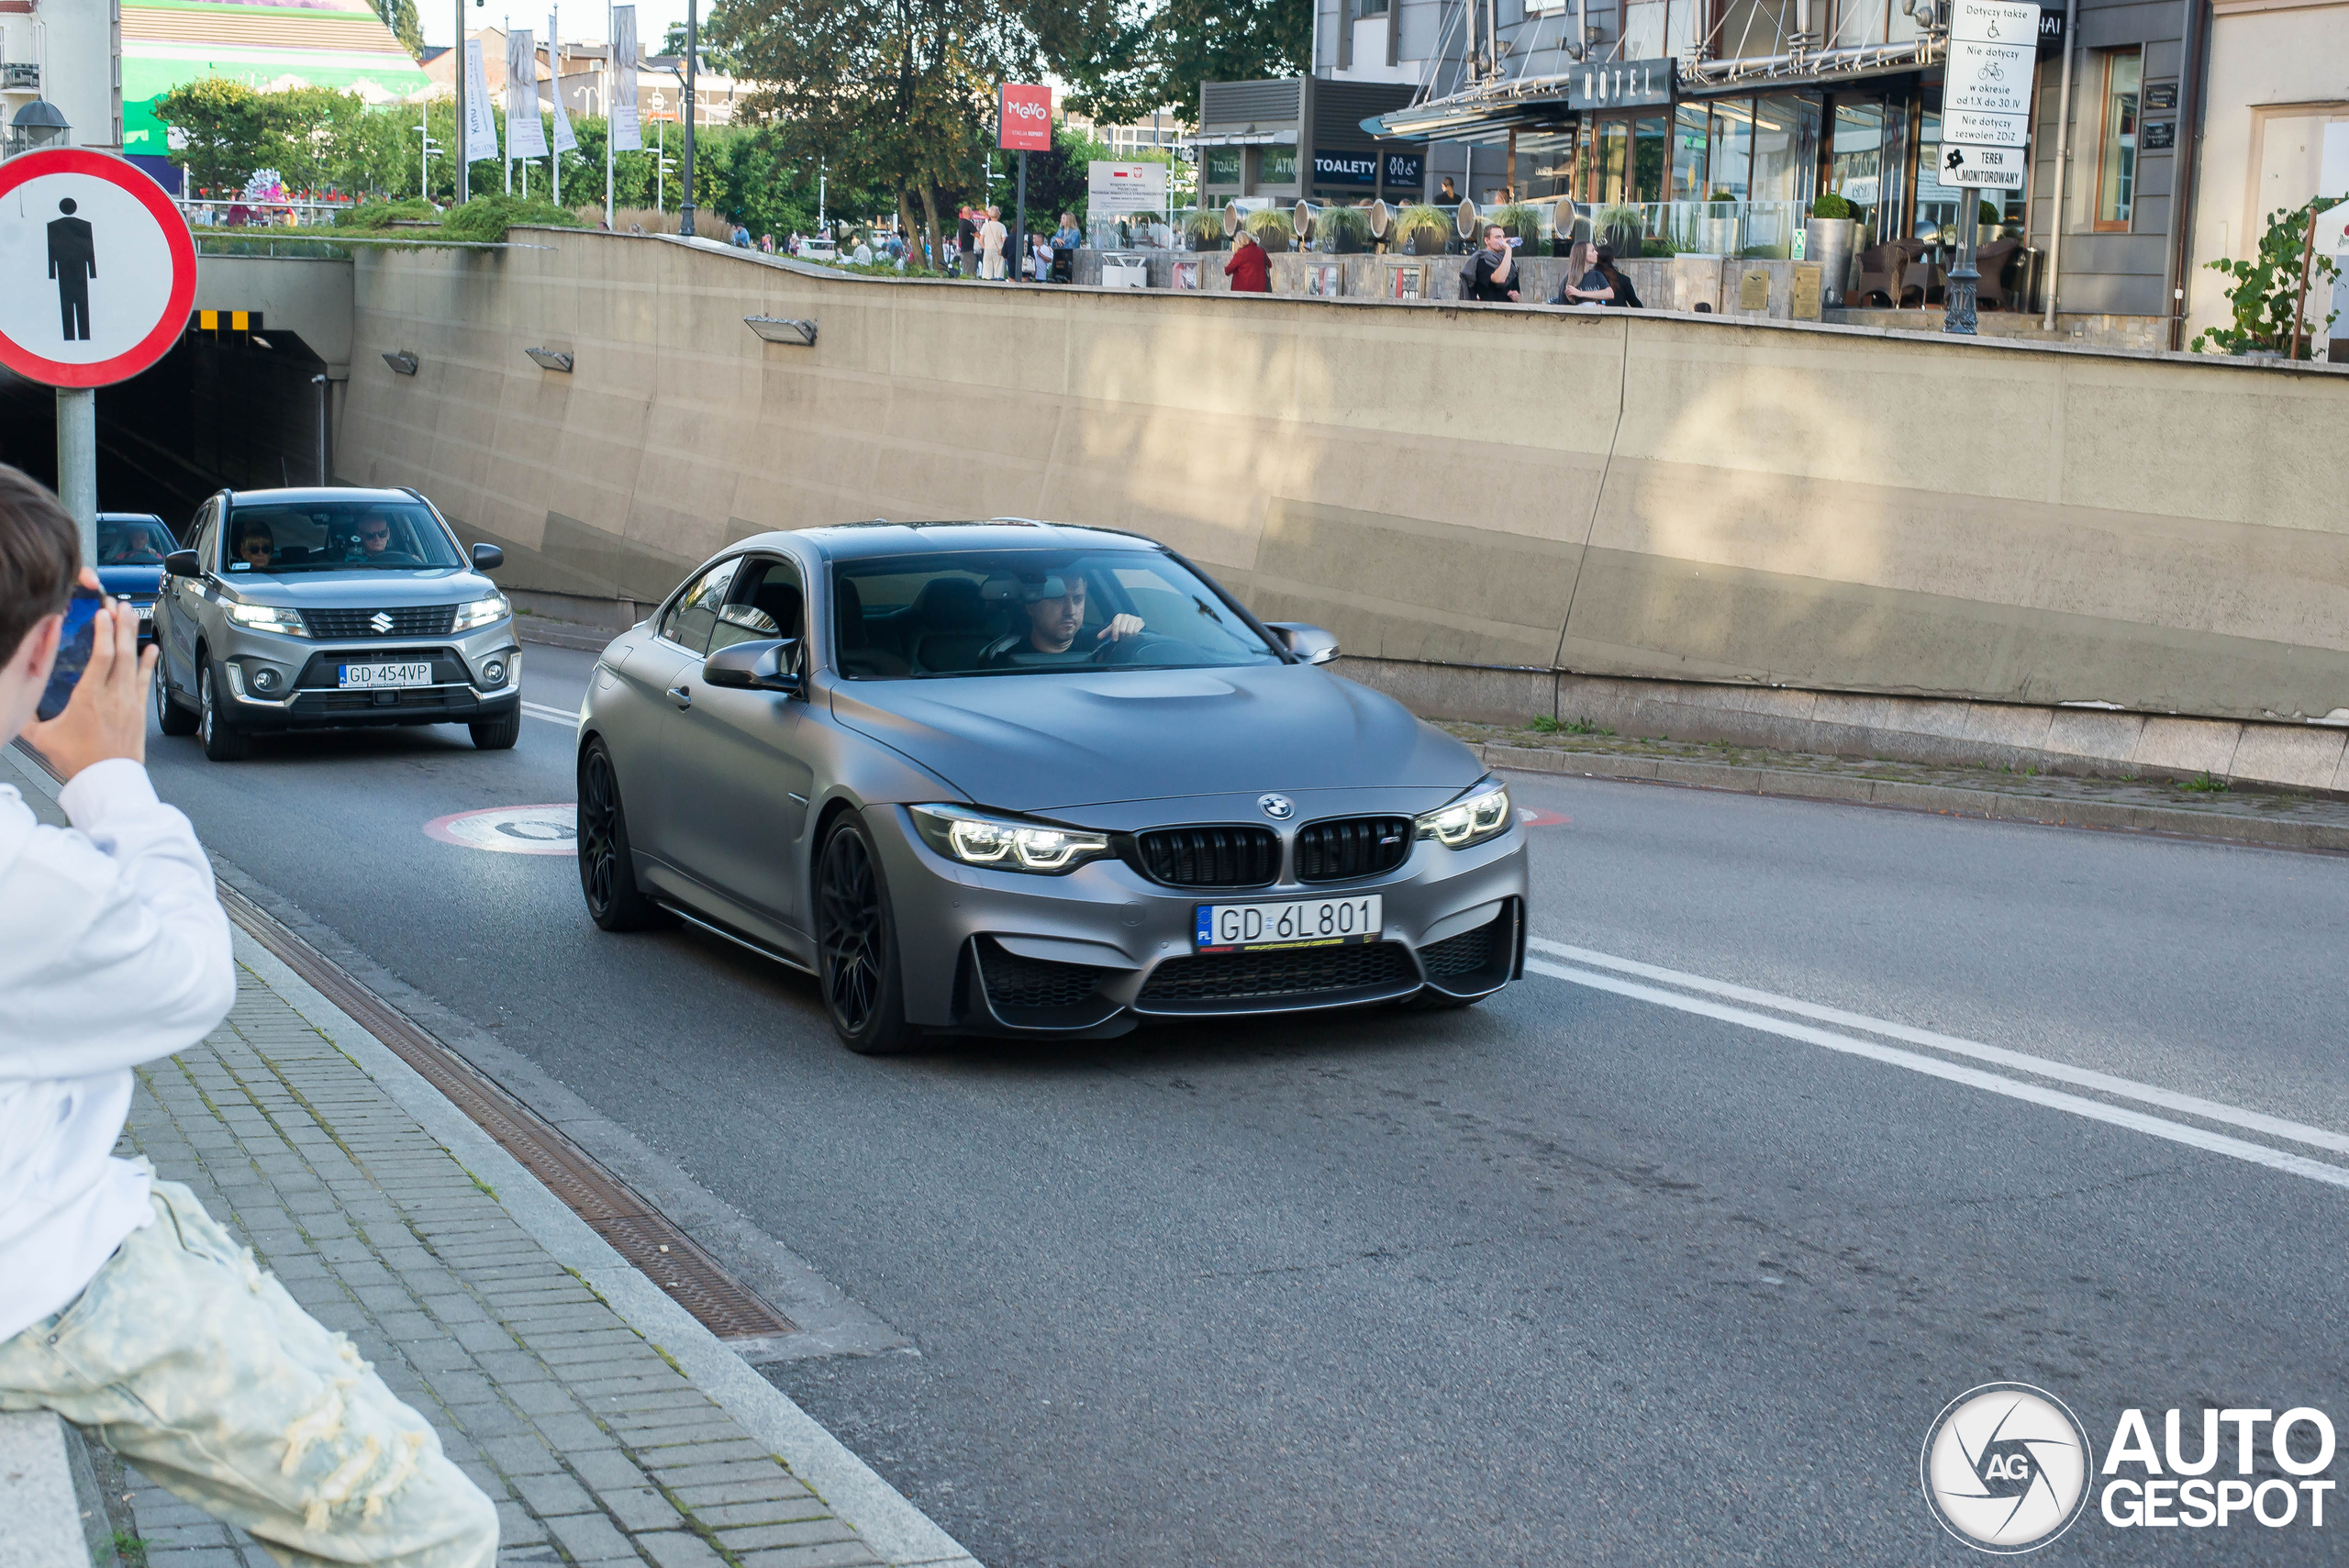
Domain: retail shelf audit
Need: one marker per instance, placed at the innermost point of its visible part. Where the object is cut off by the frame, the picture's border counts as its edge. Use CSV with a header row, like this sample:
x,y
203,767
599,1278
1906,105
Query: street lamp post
x,y
686,181
464,152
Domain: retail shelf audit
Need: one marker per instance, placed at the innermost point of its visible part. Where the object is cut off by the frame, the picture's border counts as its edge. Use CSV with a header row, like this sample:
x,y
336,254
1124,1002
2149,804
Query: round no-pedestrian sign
x,y
97,269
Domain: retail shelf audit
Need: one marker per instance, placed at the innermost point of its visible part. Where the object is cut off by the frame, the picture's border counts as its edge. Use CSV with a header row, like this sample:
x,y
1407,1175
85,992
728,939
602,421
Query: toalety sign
x,y
2008,1468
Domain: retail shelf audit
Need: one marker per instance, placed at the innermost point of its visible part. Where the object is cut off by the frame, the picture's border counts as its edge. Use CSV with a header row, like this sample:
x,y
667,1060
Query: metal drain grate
x,y
635,1230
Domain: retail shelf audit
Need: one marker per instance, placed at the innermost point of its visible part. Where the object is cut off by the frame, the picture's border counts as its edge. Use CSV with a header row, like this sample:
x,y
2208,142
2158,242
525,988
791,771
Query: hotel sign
x,y
1631,83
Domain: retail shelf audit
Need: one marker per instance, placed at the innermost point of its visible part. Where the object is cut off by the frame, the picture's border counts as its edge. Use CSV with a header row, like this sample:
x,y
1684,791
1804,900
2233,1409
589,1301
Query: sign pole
x,y
1020,223
1957,293
693,58
465,152
77,462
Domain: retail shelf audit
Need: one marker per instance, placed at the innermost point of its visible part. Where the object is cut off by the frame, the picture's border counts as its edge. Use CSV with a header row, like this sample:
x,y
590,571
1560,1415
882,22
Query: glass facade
x,y
2116,164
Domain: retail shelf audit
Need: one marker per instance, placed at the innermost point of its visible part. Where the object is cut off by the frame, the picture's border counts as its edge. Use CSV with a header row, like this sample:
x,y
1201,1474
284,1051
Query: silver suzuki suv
x,y
317,609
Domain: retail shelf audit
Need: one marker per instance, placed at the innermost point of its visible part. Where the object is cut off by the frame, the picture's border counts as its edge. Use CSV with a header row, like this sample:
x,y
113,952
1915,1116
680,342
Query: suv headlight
x,y
1481,814
975,838
481,612
268,617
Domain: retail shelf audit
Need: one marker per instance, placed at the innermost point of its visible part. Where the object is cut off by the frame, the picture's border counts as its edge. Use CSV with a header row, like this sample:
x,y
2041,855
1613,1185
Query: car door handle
x,y
682,695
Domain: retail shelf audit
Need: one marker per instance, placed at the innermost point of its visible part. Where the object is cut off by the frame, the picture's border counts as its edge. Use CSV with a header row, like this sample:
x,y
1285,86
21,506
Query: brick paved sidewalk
x,y
596,1447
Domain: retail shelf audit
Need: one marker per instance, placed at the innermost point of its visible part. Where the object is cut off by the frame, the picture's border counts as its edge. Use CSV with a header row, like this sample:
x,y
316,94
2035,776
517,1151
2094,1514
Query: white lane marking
x,y
552,715
1973,1078
2039,1066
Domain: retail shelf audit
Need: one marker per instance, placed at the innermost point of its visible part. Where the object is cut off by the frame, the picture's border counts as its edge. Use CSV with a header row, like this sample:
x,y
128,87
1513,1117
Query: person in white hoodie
x,y
124,1306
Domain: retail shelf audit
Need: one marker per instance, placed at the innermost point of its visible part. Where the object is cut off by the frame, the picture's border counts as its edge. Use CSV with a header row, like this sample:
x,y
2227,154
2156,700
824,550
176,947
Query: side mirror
x,y
488,558
765,666
1309,643
182,563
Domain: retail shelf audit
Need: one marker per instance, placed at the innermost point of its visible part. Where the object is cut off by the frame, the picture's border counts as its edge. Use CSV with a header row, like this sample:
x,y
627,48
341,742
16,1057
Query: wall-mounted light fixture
x,y
550,360
401,361
782,329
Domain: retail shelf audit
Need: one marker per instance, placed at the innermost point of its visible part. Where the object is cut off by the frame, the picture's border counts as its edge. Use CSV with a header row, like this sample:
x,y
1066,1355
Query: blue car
x,y
131,547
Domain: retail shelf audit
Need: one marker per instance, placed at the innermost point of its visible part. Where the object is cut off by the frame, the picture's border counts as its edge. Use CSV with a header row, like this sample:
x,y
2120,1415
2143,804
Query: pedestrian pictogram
x,y
97,269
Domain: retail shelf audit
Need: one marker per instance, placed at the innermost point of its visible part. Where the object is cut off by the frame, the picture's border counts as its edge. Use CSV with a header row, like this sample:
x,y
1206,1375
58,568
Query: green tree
x,y
401,17
225,128
1152,58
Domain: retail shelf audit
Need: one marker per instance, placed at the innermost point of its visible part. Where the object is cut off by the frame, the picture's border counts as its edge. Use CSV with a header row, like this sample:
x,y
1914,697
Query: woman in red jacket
x,y
1249,270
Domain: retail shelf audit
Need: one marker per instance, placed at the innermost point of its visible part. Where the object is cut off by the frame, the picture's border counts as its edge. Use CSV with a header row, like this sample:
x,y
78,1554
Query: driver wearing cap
x,y
1054,607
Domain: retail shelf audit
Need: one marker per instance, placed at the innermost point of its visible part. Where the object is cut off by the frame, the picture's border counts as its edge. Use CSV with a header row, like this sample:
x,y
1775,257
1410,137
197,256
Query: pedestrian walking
x,y
1250,269
125,1308
1491,277
992,235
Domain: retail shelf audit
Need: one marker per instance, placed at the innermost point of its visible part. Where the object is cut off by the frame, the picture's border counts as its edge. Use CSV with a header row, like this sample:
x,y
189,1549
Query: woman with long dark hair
x,y
1619,291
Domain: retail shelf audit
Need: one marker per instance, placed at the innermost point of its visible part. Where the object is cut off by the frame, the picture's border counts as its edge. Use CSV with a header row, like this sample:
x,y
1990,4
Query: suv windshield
x,y
134,541
1015,612
334,536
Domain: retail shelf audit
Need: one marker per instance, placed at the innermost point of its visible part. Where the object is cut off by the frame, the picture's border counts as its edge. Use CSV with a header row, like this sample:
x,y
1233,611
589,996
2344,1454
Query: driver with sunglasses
x,y
374,535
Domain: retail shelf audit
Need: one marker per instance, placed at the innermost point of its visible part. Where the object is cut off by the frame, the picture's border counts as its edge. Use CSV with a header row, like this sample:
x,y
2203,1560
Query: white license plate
x,y
1306,923
146,612
373,676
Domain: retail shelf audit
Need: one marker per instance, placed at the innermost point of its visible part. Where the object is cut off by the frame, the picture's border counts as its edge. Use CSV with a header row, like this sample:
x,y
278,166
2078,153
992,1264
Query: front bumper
x,y
1090,953
278,683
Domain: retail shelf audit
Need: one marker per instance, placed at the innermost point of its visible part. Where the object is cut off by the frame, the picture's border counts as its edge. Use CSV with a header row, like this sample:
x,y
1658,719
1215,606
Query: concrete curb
x,y
892,1525
587,639
2001,806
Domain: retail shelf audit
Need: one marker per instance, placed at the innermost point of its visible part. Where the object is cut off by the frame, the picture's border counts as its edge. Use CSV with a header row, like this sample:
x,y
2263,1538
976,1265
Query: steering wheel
x,y
1127,649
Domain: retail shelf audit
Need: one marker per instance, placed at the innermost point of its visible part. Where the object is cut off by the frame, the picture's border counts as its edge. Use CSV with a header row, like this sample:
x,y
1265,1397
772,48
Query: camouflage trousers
x,y
189,1361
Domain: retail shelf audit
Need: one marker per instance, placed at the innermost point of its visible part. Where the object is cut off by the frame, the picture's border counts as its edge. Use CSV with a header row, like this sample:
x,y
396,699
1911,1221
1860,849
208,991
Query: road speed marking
x,y
511,829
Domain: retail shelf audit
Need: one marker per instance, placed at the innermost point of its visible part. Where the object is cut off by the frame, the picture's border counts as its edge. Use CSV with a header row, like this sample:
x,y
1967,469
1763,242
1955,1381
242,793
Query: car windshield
x,y
1016,612
134,541
334,536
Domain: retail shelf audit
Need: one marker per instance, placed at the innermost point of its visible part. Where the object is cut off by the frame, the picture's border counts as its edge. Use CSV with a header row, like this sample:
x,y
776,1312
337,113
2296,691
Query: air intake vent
x,y
1351,847
1210,857
408,620
1242,977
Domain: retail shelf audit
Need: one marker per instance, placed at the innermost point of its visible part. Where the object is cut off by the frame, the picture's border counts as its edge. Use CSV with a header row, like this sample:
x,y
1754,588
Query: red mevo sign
x,y
1026,120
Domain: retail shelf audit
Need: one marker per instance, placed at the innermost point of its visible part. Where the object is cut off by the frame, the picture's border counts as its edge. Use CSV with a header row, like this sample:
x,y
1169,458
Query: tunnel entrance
x,y
248,410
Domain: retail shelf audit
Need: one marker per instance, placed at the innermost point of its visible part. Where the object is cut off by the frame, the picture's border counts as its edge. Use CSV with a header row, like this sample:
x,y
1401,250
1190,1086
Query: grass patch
x,y
129,1550
2204,784
1585,726
486,219
1545,725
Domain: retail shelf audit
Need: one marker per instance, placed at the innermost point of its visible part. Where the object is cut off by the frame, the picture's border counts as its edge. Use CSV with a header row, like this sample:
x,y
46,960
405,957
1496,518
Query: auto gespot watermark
x,y
2008,1468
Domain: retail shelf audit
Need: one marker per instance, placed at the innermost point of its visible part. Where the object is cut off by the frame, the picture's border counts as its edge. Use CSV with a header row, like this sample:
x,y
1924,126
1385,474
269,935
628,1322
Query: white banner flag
x,y
481,129
563,140
626,135
525,137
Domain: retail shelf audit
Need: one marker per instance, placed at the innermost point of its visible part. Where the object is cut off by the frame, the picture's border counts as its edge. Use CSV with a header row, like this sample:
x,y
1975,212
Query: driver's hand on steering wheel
x,y
1120,627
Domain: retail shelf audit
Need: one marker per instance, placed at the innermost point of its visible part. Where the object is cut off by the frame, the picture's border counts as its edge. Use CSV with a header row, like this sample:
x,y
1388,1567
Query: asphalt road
x,y
1577,1275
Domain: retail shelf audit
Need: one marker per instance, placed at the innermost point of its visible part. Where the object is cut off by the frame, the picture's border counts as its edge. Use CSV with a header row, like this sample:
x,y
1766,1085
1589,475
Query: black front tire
x,y
170,717
607,868
856,945
498,734
223,742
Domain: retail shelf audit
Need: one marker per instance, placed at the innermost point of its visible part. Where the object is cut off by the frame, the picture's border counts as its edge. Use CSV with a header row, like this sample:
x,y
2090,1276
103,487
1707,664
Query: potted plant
x,y
1423,230
1272,228
1203,228
1522,223
1341,230
1990,224
1828,239
1620,224
1721,224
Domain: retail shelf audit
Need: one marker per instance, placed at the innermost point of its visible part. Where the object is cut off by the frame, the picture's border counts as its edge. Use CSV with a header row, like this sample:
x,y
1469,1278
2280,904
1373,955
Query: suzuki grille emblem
x,y
382,622
1277,807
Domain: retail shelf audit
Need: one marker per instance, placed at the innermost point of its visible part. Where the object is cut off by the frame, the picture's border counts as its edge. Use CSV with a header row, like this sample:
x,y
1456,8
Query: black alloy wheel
x,y
856,945
223,742
170,717
606,870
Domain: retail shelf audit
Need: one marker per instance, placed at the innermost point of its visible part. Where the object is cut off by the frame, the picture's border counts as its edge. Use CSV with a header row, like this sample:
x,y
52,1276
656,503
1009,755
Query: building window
x,y
1371,8
1222,166
1277,166
2116,162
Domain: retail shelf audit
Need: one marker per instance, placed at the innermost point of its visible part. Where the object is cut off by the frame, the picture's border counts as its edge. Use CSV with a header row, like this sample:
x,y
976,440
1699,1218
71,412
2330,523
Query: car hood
x,y
131,582
362,587
1048,743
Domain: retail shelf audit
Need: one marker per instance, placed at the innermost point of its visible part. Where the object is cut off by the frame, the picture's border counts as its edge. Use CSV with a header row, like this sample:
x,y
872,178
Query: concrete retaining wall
x,y
1630,495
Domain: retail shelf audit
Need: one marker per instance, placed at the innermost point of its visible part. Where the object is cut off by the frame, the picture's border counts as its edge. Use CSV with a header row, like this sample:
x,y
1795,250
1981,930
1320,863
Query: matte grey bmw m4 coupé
x,y
1016,778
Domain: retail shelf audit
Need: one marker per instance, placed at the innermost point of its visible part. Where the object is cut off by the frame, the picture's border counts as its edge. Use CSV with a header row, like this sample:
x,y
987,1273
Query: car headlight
x,y
268,617
1481,814
977,840
481,612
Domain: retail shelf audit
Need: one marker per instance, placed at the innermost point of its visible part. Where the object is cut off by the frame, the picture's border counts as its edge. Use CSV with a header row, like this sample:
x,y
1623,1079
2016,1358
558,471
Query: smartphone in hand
x,y
73,651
